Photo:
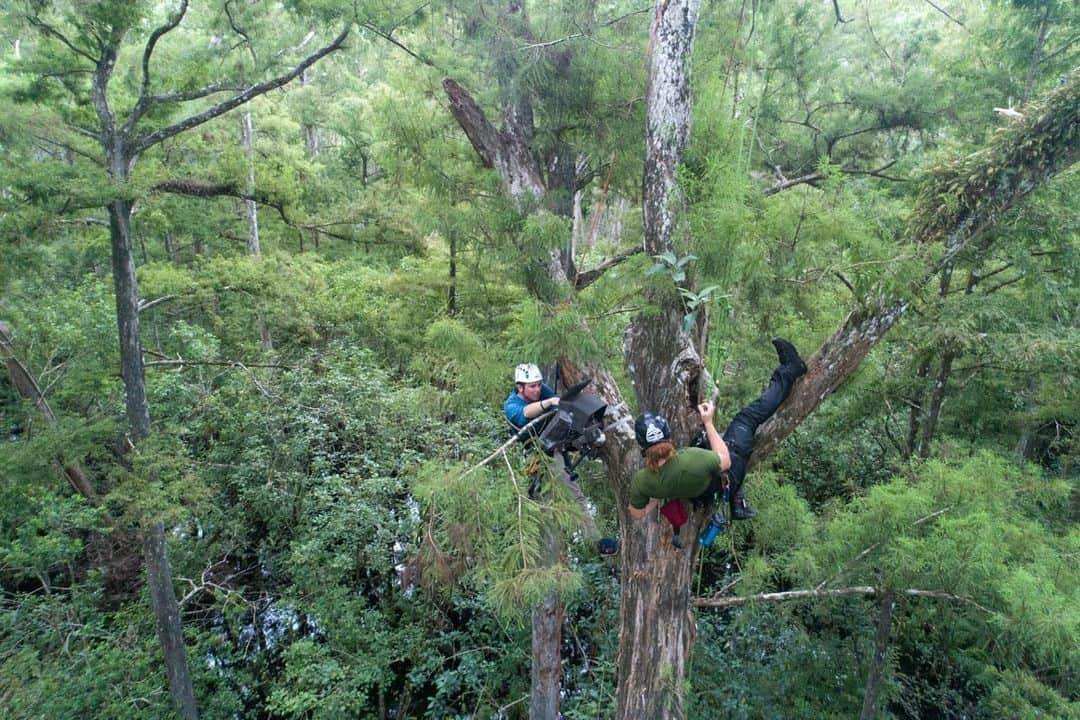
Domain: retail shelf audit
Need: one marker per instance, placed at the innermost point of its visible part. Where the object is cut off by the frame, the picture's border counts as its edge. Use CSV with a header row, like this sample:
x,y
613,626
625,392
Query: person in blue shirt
x,y
530,398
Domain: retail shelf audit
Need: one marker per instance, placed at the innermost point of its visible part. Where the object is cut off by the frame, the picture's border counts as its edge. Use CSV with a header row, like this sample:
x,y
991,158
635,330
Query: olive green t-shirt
x,y
686,475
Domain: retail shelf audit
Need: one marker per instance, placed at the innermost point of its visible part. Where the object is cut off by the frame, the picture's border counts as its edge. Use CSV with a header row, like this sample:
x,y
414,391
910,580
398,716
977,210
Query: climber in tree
x,y
530,397
697,474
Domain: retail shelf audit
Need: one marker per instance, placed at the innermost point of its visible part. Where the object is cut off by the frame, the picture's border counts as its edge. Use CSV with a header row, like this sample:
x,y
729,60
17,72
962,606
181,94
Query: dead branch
x,y
868,590
583,280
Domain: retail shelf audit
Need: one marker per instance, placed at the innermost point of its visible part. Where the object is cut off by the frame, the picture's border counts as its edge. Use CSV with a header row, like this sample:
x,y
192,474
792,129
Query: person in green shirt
x,y
695,473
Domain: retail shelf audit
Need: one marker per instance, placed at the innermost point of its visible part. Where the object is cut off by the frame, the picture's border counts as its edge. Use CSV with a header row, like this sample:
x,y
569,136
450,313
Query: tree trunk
x,y
877,663
656,625
254,247
547,620
937,399
127,320
167,619
917,406
250,206
451,290
1036,55
311,132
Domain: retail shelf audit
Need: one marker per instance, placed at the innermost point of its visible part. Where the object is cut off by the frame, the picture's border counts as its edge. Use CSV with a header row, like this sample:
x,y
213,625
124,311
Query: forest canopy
x,y
266,270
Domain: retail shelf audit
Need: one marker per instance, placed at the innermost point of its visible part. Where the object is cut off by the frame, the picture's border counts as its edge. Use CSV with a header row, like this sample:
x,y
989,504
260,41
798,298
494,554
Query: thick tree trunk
x,y
877,663
656,625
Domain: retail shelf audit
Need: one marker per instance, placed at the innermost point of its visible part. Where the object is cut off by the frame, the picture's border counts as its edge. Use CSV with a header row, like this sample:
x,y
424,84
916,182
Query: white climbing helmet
x,y
527,373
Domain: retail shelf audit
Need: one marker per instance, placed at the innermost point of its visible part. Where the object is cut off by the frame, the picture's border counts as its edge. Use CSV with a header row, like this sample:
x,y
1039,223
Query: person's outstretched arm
x,y
716,443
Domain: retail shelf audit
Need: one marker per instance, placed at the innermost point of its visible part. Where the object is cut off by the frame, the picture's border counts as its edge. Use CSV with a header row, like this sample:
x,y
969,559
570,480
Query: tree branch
x,y
587,278
940,10
869,590
50,31
254,91
216,363
839,18
390,39
145,101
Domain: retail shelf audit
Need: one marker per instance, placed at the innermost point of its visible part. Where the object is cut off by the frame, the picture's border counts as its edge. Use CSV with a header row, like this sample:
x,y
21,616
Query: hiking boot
x,y
789,355
741,510
607,546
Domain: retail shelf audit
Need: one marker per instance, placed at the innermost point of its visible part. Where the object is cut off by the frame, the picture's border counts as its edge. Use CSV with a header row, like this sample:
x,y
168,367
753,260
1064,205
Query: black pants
x,y
739,435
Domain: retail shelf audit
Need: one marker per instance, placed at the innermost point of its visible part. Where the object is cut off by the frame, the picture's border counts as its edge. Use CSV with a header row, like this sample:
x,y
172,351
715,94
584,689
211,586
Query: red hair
x,y
658,454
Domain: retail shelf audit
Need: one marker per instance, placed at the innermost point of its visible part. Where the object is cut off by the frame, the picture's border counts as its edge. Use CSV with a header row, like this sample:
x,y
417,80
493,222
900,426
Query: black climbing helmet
x,y
650,429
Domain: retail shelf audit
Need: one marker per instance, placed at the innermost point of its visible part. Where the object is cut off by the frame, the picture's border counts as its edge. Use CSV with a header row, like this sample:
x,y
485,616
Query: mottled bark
x,y
656,625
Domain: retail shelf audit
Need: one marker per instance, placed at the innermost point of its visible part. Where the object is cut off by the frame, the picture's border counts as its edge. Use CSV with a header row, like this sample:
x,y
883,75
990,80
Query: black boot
x,y
789,356
740,510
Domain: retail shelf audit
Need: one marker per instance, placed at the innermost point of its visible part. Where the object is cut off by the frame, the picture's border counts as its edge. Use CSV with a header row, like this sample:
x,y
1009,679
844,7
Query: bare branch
x,y
147,304
839,18
254,91
549,43
52,32
785,183
390,39
144,102
869,590
940,10
216,363
587,278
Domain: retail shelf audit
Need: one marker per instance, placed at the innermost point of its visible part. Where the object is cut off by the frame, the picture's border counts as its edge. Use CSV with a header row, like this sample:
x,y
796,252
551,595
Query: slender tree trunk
x,y
1036,55
167,618
254,247
917,403
251,207
877,663
309,131
127,320
451,291
937,399
158,573
547,620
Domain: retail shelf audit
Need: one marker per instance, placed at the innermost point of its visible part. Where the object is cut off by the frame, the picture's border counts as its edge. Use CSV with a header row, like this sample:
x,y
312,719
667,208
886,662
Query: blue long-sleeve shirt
x,y
514,406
